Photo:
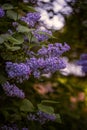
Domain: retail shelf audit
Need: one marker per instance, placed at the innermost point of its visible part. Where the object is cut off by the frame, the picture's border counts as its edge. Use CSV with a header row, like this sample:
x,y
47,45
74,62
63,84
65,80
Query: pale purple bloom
x,y
31,117
31,18
53,64
2,12
41,117
14,24
25,129
42,35
83,62
45,117
12,90
19,71
52,50
12,127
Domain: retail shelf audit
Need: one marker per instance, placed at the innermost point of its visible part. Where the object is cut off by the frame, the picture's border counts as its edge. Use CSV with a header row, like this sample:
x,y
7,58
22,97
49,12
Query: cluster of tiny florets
x,y
83,62
12,127
53,50
12,90
41,117
31,18
19,71
2,12
42,35
49,60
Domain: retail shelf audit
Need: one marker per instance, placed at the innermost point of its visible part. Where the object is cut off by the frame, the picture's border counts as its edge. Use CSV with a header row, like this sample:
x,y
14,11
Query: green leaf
x,y
31,9
28,8
12,48
13,15
5,114
1,40
15,117
5,36
23,29
58,118
47,109
49,102
7,6
20,38
14,41
26,106
3,79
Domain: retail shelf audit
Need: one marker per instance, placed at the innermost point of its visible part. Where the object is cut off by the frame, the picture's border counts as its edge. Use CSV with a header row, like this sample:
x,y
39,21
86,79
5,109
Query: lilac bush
x,y
22,56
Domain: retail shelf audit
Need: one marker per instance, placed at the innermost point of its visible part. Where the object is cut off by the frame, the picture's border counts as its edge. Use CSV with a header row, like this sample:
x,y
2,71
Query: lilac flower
x,y
12,90
83,62
42,51
10,31
42,35
14,24
56,49
83,57
37,74
12,127
31,117
5,127
25,129
41,117
45,117
84,69
53,64
31,18
49,60
19,71
2,13
32,63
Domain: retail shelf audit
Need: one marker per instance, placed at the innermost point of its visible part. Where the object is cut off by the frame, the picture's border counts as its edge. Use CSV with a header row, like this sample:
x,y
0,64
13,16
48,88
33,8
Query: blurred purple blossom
x,y
83,62
31,18
42,35
20,71
12,90
41,117
2,12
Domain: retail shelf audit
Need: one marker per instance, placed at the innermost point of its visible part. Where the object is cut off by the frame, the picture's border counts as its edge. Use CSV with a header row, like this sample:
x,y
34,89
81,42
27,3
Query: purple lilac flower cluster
x,y
12,90
31,18
2,13
49,60
14,127
53,50
83,62
19,71
42,35
41,117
